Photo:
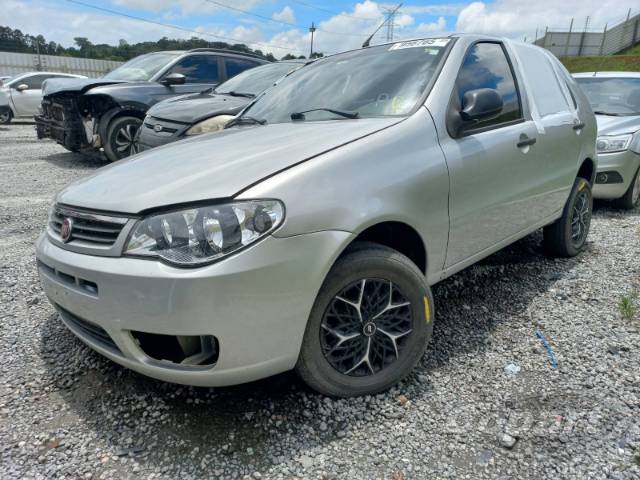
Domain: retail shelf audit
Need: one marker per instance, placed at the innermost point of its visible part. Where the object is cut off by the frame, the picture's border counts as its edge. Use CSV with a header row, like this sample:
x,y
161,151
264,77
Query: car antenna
x,y
389,17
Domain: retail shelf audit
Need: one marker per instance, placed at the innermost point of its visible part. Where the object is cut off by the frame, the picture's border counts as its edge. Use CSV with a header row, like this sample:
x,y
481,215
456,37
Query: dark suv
x,y
93,114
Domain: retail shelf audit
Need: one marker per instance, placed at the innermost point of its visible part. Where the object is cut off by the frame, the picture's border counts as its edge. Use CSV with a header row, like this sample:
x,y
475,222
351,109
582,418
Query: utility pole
x,y
39,66
312,29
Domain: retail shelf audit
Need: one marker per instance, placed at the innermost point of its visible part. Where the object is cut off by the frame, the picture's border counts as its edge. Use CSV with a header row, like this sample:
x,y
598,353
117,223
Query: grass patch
x,y
628,305
635,50
616,63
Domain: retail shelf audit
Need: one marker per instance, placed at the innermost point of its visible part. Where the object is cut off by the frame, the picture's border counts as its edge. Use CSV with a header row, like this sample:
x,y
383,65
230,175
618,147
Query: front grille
x,y
88,228
91,330
164,129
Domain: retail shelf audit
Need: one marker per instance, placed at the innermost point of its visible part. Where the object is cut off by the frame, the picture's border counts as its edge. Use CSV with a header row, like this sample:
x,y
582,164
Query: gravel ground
x,y
485,401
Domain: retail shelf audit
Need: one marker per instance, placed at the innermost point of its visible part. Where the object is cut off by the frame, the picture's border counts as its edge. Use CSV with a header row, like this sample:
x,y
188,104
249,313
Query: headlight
x,y
198,236
609,144
212,124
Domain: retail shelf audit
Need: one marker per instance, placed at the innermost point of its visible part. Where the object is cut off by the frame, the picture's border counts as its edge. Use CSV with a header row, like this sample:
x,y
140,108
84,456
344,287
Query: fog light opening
x,y
188,350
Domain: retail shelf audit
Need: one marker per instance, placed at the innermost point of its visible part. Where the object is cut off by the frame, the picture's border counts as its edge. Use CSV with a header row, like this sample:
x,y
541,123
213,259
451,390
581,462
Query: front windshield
x,y
384,80
611,95
141,68
255,80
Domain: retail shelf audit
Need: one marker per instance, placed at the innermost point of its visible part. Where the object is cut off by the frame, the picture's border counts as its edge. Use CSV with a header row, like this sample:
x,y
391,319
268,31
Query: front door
x,y
493,164
26,102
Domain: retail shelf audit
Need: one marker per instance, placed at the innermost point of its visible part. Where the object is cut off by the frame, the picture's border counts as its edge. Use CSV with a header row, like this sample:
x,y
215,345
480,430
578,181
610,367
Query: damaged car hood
x,y
195,107
212,166
77,85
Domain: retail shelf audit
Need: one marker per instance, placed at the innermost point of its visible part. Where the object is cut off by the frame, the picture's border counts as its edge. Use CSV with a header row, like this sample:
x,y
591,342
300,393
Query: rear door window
x,y
543,82
197,68
486,66
235,66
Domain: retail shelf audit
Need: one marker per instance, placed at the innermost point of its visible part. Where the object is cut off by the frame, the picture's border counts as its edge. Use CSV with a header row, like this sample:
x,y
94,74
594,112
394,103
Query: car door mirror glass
x,y
22,87
481,104
174,79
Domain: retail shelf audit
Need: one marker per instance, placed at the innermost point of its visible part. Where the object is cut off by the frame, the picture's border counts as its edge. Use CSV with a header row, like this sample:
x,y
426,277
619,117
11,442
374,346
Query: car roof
x,y
222,51
607,74
19,75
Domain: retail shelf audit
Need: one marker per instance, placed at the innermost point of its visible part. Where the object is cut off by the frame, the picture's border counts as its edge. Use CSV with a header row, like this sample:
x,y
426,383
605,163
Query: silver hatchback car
x,y
307,234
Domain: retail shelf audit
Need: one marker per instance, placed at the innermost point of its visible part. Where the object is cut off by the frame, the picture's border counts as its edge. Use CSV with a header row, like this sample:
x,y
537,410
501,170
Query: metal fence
x,y
16,63
576,42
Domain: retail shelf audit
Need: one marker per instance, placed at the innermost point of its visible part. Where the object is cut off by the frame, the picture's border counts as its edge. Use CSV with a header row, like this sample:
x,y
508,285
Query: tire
x,y
121,135
567,236
336,366
631,198
6,117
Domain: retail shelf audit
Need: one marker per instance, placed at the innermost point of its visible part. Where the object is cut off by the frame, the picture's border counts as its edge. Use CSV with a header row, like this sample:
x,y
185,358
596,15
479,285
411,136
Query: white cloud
x,y
506,18
434,27
285,15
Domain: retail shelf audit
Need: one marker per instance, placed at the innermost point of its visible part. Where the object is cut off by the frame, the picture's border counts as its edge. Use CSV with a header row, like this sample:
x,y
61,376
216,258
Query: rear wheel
x,y
5,117
631,198
567,236
121,138
369,325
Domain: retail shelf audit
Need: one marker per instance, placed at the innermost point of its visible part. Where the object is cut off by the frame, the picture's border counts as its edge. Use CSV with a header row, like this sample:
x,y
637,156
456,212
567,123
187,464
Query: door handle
x,y
578,126
526,141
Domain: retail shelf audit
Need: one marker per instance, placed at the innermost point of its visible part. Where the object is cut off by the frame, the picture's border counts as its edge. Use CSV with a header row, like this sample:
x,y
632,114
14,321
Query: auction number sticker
x,y
425,42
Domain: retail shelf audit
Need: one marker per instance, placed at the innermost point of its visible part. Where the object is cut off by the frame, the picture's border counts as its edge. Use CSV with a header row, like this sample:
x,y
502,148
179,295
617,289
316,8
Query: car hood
x,y
195,107
77,85
211,166
610,125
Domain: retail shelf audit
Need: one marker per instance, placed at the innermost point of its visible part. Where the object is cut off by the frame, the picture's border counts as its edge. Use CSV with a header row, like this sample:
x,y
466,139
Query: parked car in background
x,y
208,111
615,99
20,96
94,114
308,233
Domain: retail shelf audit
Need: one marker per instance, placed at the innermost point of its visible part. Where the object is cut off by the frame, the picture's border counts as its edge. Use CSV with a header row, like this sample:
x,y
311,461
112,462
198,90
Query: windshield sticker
x,y
426,42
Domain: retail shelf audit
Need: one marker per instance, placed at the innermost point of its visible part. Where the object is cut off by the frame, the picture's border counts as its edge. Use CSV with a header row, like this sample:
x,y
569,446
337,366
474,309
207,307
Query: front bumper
x,y
156,132
61,122
625,164
256,303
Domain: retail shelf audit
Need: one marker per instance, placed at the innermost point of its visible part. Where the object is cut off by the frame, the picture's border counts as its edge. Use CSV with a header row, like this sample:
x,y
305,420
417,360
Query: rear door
x,y
559,123
493,165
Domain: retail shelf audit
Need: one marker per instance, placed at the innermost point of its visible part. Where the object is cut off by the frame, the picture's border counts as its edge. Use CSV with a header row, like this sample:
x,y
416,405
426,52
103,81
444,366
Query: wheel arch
x,y
587,170
397,235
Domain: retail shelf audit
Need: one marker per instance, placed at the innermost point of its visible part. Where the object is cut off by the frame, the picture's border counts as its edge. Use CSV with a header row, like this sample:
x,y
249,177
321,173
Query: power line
x,y
333,12
273,20
176,27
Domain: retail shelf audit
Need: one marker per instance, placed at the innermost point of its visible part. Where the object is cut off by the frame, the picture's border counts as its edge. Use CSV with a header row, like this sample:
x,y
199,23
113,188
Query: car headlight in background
x,y
610,144
212,124
198,236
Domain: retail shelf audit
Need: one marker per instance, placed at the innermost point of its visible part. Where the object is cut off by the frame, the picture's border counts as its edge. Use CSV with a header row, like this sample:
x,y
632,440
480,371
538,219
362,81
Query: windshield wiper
x,y
598,112
342,113
238,94
245,120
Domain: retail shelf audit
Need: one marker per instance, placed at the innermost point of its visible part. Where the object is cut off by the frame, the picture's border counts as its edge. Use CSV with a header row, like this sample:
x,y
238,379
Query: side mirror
x,y
22,87
481,104
174,79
